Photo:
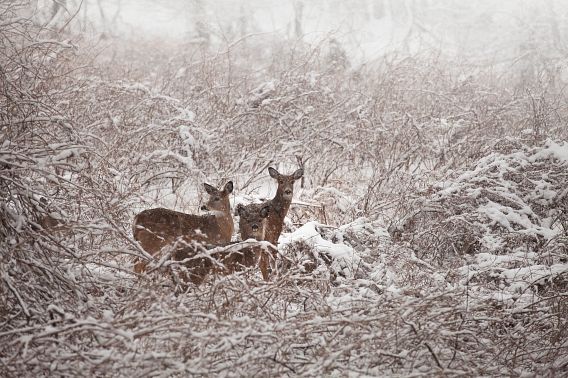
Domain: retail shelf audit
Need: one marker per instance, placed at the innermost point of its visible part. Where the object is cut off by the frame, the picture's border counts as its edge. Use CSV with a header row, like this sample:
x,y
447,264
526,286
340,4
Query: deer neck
x,y
280,205
225,222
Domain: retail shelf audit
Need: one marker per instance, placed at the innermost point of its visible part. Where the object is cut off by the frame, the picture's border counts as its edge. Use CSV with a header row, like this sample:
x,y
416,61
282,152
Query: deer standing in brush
x,y
277,210
156,228
198,263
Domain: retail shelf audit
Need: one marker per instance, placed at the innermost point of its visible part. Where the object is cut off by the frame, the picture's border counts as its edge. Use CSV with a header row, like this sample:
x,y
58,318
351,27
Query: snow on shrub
x,y
512,204
354,251
90,146
340,257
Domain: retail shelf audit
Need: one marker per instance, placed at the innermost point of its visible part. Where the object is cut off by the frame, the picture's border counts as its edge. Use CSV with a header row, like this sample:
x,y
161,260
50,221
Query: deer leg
x,y
272,256
264,264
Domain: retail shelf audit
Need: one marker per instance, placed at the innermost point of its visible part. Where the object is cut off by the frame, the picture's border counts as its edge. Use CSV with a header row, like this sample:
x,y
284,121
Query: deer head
x,y
252,222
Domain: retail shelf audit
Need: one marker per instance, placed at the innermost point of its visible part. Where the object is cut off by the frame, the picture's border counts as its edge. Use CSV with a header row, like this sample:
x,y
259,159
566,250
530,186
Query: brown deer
x,y
198,261
280,204
156,228
252,221
277,210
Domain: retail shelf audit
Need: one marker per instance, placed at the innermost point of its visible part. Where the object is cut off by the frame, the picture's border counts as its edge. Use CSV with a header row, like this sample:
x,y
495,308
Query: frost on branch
x,y
507,216
473,283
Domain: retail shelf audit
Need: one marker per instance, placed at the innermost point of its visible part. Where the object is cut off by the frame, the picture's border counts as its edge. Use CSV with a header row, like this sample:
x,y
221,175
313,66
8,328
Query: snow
x,y
506,216
492,242
552,150
186,136
516,279
345,261
477,266
136,87
309,234
187,161
487,260
186,114
108,271
67,153
534,274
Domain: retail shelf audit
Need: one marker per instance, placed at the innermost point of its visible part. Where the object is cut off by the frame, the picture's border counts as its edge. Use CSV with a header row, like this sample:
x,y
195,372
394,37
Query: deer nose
x,y
204,208
255,227
288,192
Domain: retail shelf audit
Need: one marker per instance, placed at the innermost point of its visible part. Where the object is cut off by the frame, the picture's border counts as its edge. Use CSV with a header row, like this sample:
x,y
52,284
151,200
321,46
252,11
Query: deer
x,y
224,260
252,221
277,209
156,228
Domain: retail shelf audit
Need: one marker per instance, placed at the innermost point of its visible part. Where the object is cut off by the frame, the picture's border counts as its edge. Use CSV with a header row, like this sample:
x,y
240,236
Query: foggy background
x,y
522,36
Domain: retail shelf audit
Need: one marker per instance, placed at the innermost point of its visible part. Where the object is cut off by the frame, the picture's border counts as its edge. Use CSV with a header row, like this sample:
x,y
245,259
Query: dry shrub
x,y
59,221
239,326
508,202
82,149
300,258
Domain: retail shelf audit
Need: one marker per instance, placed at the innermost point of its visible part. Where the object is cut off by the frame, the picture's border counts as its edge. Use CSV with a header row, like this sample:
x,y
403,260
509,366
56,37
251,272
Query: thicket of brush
x,y
413,145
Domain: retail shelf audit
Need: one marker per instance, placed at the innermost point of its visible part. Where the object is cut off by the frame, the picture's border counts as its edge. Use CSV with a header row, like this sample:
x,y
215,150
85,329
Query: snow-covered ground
x,y
427,237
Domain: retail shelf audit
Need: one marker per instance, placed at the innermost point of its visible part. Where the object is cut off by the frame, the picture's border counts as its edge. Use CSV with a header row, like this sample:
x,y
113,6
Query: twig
x,y
6,279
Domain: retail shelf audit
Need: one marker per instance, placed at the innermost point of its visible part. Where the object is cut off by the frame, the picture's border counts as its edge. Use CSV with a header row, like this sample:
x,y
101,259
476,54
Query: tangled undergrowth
x,y
509,202
469,279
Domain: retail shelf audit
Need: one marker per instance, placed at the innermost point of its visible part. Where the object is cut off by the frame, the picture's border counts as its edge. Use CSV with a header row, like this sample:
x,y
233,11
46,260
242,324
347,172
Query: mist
x,y
510,35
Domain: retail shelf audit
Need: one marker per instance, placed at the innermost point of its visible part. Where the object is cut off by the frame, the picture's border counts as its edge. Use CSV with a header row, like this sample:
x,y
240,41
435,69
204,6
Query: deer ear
x,y
228,187
298,174
273,172
264,211
210,189
241,209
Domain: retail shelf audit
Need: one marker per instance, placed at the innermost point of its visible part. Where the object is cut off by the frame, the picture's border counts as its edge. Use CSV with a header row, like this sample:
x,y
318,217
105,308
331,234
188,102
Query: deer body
x,y
156,228
199,261
223,260
280,204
